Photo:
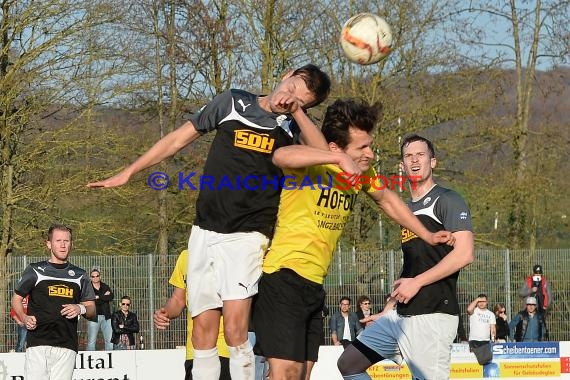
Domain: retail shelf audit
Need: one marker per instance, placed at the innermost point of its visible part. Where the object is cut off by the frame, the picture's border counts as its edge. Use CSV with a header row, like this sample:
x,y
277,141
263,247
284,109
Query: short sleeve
x,y
453,212
26,282
209,116
178,277
87,292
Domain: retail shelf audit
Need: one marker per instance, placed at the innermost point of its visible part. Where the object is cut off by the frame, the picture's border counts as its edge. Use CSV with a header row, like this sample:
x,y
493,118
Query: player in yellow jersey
x,y
287,313
174,307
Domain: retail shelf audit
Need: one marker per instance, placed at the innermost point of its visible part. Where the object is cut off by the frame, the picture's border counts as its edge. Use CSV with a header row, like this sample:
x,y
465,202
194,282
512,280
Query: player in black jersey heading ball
x,y
235,217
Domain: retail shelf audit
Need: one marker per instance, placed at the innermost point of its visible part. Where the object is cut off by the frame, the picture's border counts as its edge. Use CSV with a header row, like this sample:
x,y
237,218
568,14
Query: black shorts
x,y
287,317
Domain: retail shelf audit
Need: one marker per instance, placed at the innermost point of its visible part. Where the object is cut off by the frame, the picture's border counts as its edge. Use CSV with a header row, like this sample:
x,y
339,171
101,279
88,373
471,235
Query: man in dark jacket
x,y
125,325
529,324
344,325
103,297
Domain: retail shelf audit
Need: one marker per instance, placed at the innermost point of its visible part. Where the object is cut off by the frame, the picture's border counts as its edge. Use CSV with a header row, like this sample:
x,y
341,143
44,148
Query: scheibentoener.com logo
x,y
340,181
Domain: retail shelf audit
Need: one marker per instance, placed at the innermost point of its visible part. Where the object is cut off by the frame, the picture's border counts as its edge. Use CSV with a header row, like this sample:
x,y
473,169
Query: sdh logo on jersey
x,y
407,235
260,142
60,291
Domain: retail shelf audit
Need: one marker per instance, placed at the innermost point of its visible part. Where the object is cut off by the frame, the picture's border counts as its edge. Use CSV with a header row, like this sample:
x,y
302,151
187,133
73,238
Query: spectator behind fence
x,y
344,324
59,293
125,325
502,323
363,309
103,297
482,329
21,331
536,285
529,324
482,323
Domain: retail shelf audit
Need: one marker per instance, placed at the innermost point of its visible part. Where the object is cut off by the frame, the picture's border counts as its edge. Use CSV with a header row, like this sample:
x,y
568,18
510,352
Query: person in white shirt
x,y
482,322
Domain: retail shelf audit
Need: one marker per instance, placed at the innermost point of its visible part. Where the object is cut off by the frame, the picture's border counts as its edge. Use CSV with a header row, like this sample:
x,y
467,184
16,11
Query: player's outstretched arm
x,y
164,148
301,156
396,209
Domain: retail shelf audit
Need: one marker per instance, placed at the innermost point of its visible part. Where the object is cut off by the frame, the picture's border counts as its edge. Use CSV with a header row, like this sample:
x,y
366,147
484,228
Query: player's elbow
x,y
469,257
465,244
280,158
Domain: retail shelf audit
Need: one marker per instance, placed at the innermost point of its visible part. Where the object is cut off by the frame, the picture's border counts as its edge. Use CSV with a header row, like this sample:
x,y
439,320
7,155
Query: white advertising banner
x,y
541,360
109,365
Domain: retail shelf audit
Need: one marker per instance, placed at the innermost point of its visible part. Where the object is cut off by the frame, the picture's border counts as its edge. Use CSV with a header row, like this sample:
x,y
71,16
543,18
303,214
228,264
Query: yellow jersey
x,y
315,205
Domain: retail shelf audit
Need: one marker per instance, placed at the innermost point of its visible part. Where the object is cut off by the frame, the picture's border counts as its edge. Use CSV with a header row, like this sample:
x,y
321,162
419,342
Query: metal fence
x,y
498,273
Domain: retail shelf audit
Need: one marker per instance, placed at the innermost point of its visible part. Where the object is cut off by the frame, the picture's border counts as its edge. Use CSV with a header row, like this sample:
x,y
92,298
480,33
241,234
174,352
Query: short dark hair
x,y
317,81
58,227
413,138
126,298
344,114
345,298
482,295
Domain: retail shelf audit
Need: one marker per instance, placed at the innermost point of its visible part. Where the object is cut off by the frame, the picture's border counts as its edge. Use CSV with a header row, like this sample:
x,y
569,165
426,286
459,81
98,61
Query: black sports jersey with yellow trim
x,y
440,209
50,286
243,190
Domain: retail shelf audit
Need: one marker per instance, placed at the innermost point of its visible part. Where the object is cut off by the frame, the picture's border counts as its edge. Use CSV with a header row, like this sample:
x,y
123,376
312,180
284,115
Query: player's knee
x,y
293,372
344,365
284,370
235,336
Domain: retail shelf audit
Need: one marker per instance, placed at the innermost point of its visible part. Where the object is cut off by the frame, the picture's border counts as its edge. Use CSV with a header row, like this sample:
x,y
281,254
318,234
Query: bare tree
x,y
519,36
41,64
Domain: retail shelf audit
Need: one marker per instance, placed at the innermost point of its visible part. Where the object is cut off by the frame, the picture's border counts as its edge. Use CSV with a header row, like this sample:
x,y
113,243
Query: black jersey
x,y
239,188
50,286
440,209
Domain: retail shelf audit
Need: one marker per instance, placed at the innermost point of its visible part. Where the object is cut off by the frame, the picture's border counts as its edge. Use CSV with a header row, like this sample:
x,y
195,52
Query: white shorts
x,y
222,267
49,363
424,341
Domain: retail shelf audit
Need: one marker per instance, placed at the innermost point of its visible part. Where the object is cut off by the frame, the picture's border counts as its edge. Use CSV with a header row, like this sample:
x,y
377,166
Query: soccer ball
x,y
366,38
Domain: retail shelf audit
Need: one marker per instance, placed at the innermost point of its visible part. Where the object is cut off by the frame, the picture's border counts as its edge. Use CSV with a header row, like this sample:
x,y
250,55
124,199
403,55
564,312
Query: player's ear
x,y
433,162
402,166
48,244
334,147
287,75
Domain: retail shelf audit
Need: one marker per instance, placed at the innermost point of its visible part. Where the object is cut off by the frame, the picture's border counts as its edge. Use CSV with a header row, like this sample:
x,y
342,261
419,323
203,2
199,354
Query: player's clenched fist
x,y
160,319
30,322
